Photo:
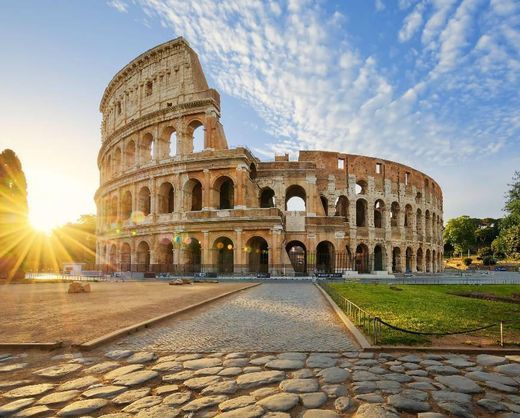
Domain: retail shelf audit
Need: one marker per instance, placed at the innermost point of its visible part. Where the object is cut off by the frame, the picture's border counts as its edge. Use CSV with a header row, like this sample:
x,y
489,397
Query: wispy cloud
x,y
119,5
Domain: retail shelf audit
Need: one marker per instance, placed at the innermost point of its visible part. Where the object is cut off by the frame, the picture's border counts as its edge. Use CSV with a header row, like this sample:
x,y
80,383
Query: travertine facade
x,y
164,205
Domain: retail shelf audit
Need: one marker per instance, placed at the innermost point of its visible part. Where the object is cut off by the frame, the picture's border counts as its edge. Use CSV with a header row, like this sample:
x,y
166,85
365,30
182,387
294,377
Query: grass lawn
x,y
429,308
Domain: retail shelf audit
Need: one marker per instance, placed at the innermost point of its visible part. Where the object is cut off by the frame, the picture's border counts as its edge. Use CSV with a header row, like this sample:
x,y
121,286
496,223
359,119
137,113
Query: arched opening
x,y
378,258
165,252
298,256
224,255
192,255
193,195
348,262
130,154
146,148
267,198
409,260
419,259
428,225
126,206
361,213
144,201
168,143
428,261
325,257
225,193
408,216
113,209
125,257
166,198
379,208
418,198
252,171
196,133
257,252
342,207
361,187
325,204
418,222
362,259
112,259
394,215
117,161
295,198
396,260
143,256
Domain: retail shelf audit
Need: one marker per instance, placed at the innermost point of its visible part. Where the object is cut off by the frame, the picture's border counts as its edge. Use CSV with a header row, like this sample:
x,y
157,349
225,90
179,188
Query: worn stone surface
x,y
178,398
104,392
136,378
131,396
58,397
28,391
12,407
204,402
146,402
279,402
459,384
59,370
299,385
82,407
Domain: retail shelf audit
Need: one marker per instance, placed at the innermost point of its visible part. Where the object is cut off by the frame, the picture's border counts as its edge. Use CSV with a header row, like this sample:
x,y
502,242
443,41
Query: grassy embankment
x,y
430,308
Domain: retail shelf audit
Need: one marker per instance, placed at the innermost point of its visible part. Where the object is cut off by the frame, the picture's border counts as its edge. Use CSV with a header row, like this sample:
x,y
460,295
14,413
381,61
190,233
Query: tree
x,y
460,232
508,241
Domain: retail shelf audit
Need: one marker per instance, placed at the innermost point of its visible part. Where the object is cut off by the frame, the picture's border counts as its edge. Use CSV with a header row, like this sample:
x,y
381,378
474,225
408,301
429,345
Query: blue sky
x,y
430,83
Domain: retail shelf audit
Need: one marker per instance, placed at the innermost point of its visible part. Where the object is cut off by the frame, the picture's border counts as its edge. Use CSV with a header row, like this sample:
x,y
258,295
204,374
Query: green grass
x,y
429,308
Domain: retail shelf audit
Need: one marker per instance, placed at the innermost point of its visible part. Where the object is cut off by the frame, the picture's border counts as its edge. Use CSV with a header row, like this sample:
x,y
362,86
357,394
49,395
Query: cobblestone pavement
x,y
269,317
124,384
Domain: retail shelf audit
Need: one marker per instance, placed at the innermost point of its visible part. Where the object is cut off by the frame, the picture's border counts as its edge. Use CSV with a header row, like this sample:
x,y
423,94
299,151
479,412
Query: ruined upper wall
x,y
163,77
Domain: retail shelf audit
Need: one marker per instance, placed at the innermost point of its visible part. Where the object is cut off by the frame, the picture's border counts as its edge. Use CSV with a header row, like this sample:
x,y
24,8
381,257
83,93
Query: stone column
x,y
389,258
240,188
312,196
206,254
239,259
206,191
153,198
275,250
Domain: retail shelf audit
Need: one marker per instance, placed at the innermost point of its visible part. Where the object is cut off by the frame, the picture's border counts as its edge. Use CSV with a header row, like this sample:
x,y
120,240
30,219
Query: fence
x,y
380,331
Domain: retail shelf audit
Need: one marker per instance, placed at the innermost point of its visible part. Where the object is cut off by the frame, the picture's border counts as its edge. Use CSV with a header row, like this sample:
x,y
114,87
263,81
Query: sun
x,y
40,222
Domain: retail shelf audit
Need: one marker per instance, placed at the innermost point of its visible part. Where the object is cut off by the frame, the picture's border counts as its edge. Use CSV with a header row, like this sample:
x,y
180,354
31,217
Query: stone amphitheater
x,y
174,197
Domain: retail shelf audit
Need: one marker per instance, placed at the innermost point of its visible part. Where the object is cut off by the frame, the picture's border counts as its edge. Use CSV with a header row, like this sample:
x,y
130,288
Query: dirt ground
x,y
45,312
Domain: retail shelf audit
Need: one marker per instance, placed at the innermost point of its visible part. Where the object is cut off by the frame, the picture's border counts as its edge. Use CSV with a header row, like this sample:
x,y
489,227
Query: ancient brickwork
x,y
165,204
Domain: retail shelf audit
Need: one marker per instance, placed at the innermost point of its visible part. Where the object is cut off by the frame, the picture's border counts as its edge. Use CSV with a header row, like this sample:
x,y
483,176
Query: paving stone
x,y
58,397
370,398
202,363
456,409
235,355
492,377
364,376
12,367
459,384
421,385
313,400
201,382
141,357
104,392
430,415
460,362
333,391
28,391
279,402
343,404
388,386
158,411
208,371
402,403
299,385
422,373
450,397
58,370
334,375
80,383
500,387
490,360
426,363
263,392
251,411
302,374
411,358
82,407
227,387
146,402
236,403
320,413
418,395
281,364
230,371
513,357
204,402
167,366
121,371
397,369
360,388
117,415
292,356
397,377
131,396
512,369
12,407
372,410
492,405
10,383
136,378
101,367
321,361
34,411
169,357
252,369
177,398
442,370
261,361
162,390
377,370
175,377
118,354
250,380
236,362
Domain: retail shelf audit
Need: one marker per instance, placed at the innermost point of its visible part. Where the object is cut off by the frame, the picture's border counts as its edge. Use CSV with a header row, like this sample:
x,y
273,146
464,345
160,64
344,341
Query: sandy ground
x,y
45,312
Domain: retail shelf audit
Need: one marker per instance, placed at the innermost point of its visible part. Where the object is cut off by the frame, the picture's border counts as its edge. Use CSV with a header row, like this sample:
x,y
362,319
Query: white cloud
x,y
380,6
412,23
119,5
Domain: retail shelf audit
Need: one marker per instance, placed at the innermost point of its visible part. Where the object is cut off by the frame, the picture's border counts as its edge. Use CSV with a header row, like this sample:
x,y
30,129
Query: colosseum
x,y
175,198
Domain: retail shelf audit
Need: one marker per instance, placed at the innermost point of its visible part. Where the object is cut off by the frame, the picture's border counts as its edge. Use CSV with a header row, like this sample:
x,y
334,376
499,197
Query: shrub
x,y
467,261
489,260
485,252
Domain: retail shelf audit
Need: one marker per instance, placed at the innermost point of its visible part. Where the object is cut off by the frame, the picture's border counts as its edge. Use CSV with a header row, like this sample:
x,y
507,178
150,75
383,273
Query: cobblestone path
x,y
270,317
126,384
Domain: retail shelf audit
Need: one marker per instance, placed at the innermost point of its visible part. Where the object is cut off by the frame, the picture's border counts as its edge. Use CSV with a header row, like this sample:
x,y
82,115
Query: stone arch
x,y
361,213
224,255
196,133
224,193
394,215
125,256
143,255
165,252
191,255
297,253
257,252
418,222
379,259
130,154
408,213
295,196
193,195
166,198
362,258
419,259
342,207
428,224
252,171
126,205
146,148
145,201
361,187
379,212
428,261
167,143
267,199
396,260
325,257
325,204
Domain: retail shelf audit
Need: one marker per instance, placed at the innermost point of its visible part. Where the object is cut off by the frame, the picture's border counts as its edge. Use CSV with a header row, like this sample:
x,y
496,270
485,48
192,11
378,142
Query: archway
x,y
361,213
252,171
361,187
419,259
143,256
144,201
409,260
342,207
130,154
394,215
224,191
196,133
418,223
267,198
146,148
325,257
191,249
257,255
362,259
396,260
378,258
379,208
165,253
193,195
295,198
408,213
224,255
167,143
297,255
166,198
